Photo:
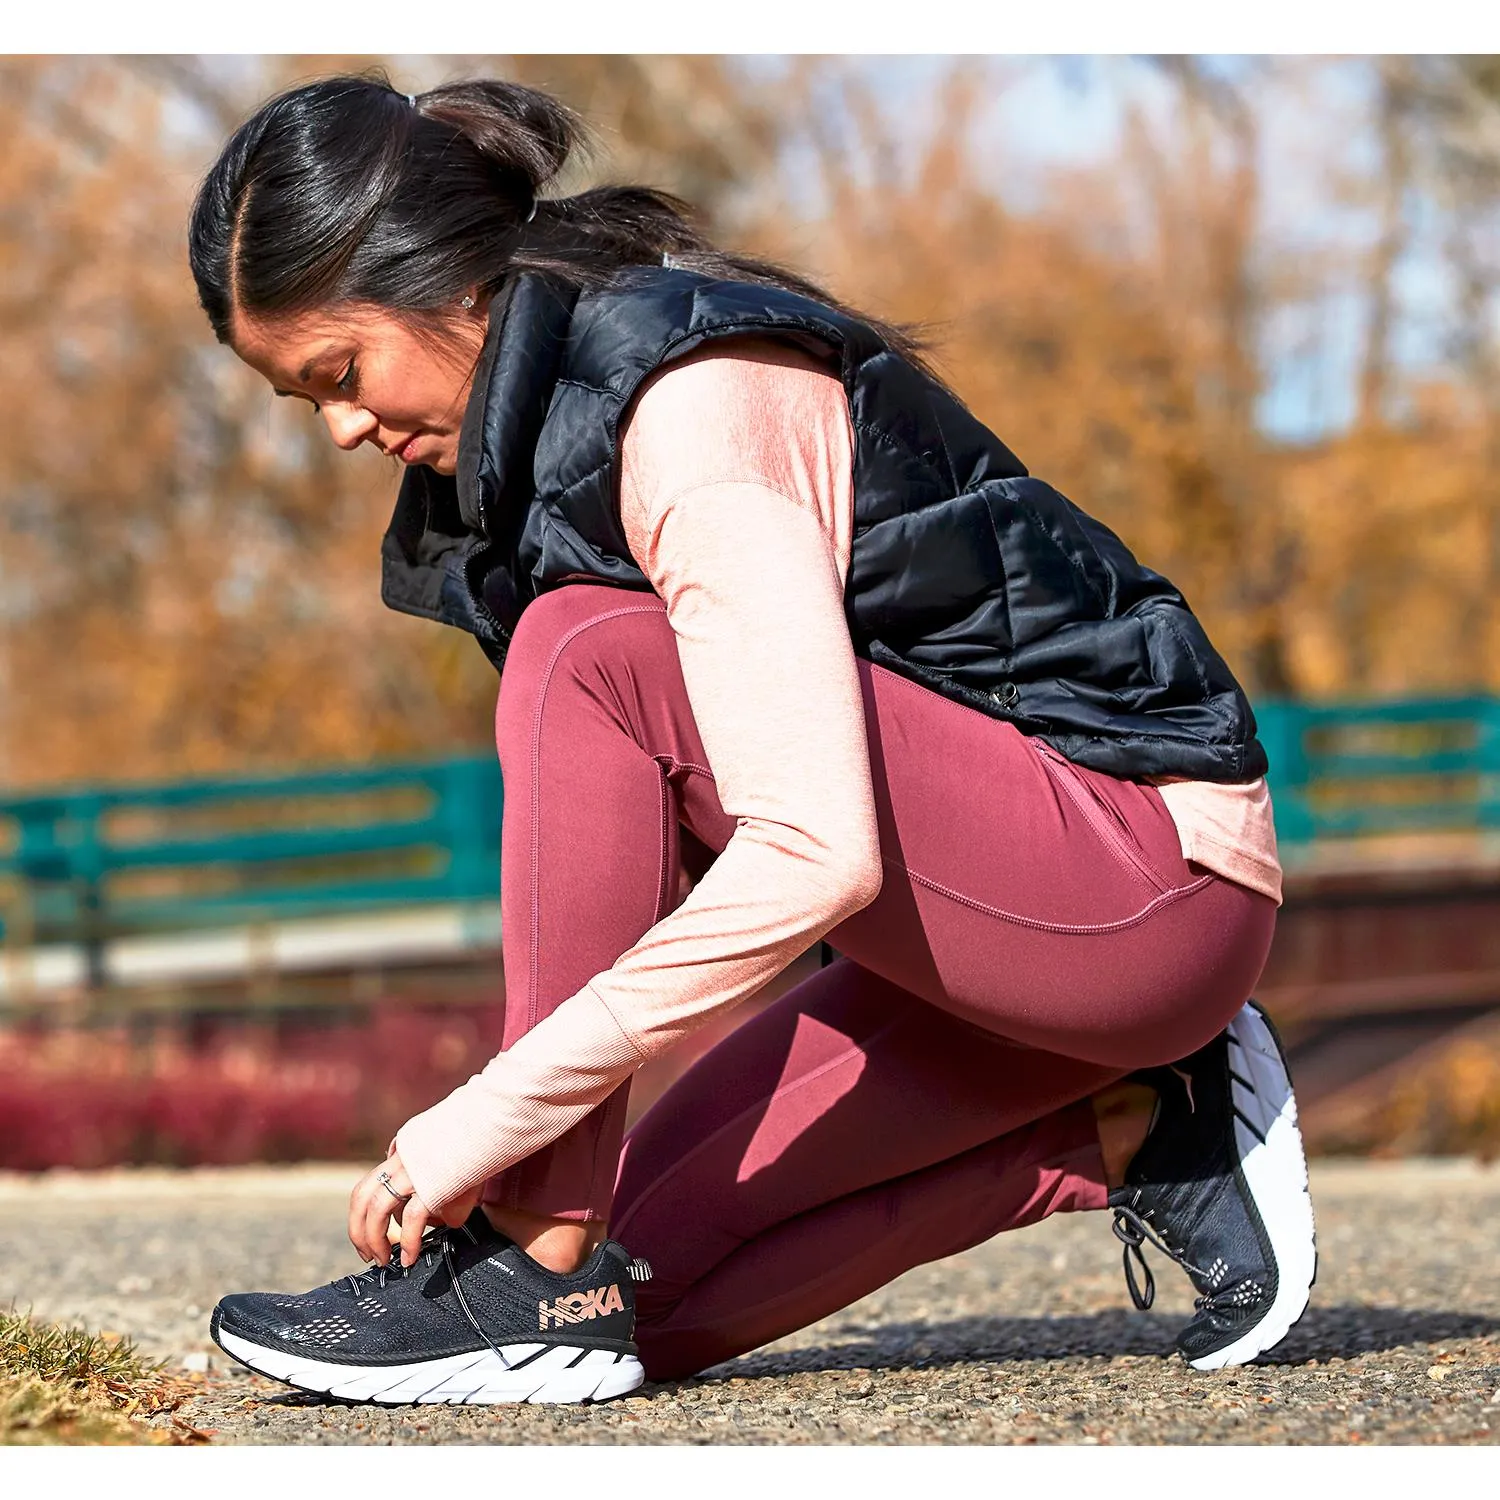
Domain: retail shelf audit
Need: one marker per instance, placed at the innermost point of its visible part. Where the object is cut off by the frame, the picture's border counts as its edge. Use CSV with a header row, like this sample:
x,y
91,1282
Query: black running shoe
x,y
474,1320
1220,1185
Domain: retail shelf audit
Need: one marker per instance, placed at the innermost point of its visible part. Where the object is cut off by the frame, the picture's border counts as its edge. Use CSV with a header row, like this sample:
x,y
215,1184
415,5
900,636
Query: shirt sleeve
x,y
737,506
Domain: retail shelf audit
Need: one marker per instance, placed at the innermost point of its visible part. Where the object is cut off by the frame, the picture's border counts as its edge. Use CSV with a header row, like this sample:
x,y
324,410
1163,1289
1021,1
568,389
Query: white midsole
x,y
1275,1172
477,1379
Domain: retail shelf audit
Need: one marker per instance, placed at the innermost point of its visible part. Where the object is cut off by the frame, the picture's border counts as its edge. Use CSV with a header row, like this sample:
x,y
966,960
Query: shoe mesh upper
x,y
1185,1185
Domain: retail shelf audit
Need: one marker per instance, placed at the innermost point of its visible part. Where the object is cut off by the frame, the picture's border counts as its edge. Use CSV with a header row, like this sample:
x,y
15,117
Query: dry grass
x,y
66,1385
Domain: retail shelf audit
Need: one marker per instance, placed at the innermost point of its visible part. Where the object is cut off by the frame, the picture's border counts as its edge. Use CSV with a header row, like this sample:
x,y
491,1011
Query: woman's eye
x,y
349,379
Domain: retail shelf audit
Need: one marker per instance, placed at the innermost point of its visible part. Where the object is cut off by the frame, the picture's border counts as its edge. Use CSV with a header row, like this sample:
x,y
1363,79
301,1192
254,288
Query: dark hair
x,y
344,190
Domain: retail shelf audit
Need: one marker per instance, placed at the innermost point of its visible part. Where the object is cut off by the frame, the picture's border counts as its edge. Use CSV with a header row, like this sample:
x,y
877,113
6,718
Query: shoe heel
x,y
1274,1170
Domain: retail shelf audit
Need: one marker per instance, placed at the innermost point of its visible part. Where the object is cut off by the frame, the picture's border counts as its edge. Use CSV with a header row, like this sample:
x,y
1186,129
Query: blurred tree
x,y
190,570
1393,102
1456,101
1402,509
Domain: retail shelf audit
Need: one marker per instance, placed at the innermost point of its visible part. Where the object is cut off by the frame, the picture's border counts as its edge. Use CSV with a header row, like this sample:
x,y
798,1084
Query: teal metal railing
x,y
1354,771
89,865
92,864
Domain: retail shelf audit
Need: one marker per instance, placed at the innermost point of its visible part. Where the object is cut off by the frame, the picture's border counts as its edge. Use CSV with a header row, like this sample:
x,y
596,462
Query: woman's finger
x,y
378,1213
414,1223
372,1206
359,1201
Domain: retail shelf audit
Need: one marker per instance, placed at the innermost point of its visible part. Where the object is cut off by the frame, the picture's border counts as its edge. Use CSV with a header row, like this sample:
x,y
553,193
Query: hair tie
x,y
411,99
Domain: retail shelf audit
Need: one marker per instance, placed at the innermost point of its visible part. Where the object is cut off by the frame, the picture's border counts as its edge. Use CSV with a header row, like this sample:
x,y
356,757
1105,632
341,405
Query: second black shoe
x,y
474,1320
1220,1185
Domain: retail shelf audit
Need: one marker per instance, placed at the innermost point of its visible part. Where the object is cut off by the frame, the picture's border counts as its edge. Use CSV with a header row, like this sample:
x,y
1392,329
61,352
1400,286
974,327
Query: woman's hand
x,y
373,1206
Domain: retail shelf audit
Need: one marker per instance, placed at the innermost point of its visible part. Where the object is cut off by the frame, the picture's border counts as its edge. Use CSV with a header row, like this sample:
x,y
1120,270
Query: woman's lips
x,y
405,450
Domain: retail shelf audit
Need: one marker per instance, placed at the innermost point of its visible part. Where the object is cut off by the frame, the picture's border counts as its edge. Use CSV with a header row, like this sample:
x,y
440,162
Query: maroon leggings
x,y
1038,934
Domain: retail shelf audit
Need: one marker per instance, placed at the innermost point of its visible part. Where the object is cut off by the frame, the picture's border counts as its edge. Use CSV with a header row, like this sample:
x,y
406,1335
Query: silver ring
x,y
385,1181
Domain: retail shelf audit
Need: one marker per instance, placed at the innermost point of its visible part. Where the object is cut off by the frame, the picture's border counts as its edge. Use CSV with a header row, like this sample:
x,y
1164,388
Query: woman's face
x,y
371,377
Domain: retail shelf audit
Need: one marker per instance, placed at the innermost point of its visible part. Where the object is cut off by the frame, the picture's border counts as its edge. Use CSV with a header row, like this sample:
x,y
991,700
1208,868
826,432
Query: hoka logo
x,y
578,1307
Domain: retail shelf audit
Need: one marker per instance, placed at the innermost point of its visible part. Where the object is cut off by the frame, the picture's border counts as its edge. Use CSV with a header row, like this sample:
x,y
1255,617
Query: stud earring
x,y
466,303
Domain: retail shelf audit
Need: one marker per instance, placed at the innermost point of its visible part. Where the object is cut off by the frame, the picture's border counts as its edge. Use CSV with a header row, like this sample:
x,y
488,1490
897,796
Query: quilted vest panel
x,y
967,574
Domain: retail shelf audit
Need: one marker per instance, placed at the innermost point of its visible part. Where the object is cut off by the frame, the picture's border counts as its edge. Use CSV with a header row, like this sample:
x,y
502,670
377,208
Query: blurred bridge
x,y
293,891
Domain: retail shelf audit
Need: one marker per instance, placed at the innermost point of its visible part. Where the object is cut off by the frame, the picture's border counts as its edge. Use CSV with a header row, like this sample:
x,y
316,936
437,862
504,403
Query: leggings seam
x,y
536,781
1085,929
664,843
674,765
1103,830
543,687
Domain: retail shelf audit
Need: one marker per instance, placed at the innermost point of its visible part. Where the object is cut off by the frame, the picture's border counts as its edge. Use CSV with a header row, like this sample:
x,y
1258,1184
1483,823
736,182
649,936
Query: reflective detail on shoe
x,y
324,1332
513,1373
640,1270
373,1306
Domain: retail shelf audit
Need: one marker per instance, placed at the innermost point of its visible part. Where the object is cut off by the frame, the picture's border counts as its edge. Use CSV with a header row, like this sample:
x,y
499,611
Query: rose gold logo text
x,y
578,1307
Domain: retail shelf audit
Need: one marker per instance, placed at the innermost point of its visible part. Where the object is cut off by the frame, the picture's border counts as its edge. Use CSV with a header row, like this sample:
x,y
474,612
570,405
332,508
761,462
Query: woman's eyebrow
x,y
305,373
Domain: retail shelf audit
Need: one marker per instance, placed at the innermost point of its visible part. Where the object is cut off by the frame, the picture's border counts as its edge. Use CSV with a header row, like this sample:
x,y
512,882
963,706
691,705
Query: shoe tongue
x,y
484,1232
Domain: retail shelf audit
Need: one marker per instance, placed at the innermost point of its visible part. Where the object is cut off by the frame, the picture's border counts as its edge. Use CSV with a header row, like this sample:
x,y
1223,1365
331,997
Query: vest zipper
x,y
477,595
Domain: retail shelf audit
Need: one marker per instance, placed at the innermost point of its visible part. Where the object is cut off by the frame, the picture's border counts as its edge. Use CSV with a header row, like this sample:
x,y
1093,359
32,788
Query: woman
x,y
913,700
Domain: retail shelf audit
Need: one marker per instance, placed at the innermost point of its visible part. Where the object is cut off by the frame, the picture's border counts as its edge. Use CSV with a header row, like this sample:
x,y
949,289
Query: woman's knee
x,y
546,623
561,638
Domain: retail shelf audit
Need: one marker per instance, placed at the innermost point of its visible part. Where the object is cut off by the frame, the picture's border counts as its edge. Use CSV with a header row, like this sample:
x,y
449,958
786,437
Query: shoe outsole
x,y
1273,1169
535,1373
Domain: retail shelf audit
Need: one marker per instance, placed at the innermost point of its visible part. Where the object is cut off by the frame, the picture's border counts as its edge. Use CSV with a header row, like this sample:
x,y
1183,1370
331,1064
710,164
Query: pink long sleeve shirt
x,y
736,467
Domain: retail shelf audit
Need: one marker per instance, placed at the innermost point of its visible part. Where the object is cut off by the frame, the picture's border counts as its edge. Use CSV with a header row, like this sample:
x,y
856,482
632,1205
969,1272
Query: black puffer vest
x,y
967,575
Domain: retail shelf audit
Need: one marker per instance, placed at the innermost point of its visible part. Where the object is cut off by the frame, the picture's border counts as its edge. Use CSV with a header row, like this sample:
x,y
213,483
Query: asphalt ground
x,y
1027,1339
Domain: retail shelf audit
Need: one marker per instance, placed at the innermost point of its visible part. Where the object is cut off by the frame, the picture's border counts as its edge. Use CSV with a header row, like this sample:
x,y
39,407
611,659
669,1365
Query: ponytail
x,y
525,137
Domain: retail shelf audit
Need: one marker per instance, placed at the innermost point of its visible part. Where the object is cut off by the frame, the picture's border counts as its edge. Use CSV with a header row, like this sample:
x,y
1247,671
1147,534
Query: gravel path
x,y
1028,1339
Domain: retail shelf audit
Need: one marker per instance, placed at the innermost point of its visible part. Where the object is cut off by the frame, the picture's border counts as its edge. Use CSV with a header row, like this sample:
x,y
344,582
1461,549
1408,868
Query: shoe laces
x,y
435,1242
1132,1230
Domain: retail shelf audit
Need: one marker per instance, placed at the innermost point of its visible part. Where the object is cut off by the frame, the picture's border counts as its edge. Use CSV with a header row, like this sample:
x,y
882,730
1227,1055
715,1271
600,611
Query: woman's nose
x,y
350,425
